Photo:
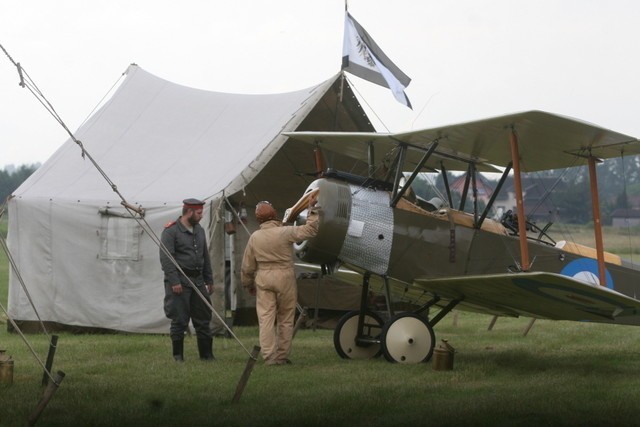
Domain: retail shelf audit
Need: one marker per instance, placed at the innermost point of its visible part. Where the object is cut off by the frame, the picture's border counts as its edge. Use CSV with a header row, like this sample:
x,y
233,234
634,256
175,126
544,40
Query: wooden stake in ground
x,y
301,320
246,374
492,323
528,328
52,351
46,397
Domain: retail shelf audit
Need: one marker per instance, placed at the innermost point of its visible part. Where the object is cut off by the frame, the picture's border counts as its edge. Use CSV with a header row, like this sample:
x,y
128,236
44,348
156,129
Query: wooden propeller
x,y
306,201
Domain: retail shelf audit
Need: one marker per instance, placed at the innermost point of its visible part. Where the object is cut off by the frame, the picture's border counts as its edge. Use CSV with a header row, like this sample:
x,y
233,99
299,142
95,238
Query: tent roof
x,y
160,142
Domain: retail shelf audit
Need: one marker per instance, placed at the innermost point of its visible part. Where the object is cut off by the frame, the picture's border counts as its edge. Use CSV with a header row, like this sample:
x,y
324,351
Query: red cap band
x,y
194,207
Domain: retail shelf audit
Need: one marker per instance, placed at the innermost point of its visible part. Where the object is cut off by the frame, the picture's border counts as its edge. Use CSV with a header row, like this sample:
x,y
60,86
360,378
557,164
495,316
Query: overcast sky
x,y
468,59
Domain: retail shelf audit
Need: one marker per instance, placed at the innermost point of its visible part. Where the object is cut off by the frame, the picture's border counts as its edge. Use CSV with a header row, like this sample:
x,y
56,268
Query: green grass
x,y
561,373
621,241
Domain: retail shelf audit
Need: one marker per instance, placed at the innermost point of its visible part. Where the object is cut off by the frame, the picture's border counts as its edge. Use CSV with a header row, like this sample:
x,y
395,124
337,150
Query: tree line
x,y
11,180
566,191
618,186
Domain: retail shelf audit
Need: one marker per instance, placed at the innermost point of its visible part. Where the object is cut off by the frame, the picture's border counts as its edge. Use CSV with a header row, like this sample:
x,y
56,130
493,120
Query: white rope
x,y
17,328
154,237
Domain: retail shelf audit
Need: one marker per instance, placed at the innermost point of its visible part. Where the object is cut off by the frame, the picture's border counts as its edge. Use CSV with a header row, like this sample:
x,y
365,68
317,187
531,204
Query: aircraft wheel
x,y
344,336
407,338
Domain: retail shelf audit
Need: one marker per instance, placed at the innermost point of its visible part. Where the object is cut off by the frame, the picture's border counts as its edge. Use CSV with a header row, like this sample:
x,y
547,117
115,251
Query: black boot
x,y
205,348
178,349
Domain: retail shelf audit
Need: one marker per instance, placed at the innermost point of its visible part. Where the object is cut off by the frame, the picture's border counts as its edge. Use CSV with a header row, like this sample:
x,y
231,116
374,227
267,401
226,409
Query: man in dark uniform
x,y
185,241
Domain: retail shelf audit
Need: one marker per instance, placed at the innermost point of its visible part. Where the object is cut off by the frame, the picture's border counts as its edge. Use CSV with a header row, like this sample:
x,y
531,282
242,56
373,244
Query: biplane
x,y
373,231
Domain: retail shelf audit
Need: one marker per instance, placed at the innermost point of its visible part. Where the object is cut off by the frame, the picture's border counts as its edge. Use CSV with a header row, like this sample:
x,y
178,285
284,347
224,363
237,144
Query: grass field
x,y
561,373
622,241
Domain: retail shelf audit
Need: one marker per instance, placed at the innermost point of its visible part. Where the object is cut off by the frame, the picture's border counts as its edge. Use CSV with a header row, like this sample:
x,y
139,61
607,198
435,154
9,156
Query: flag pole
x,y
338,100
346,9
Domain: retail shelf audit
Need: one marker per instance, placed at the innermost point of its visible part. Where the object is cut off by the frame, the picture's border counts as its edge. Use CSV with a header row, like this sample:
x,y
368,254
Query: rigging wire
x,y
353,88
624,183
118,80
422,109
548,193
565,171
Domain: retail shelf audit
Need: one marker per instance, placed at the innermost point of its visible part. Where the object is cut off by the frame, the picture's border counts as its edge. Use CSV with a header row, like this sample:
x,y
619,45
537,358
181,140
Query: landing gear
x,y
407,338
350,344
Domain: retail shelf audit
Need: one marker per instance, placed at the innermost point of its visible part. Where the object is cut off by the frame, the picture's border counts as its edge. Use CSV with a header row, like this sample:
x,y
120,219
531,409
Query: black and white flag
x,y
362,57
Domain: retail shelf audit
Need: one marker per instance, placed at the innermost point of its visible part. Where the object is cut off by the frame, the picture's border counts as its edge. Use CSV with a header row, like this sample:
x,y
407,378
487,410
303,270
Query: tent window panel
x,y
120,239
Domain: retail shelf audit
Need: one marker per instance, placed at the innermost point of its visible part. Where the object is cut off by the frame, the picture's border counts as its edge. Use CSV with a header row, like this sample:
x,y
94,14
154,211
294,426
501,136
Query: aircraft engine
x,y
356,227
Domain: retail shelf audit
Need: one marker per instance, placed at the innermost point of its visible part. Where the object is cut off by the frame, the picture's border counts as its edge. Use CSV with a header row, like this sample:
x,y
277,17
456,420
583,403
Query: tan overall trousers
x,y
268,265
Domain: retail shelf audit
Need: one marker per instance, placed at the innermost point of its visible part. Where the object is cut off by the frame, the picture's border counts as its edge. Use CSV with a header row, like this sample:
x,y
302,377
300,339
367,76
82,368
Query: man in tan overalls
x,y
267,272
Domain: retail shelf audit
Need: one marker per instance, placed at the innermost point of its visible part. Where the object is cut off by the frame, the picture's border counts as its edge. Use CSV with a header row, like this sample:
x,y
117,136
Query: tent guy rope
x,y
33,351
133,210
16,271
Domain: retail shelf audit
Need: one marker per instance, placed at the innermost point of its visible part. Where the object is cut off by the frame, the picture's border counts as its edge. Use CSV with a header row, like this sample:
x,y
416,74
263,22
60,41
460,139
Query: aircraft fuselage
x,y
360,228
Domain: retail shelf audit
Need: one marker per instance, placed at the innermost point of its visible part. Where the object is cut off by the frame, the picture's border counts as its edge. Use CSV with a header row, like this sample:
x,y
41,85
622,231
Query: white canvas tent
x,y
86,263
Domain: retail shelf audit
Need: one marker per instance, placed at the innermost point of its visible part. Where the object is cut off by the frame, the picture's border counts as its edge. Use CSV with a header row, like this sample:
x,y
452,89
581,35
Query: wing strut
x,y
400,164
446,183
415,173
597,225
438,317
494,195
474,192
522,223
319,159
465,189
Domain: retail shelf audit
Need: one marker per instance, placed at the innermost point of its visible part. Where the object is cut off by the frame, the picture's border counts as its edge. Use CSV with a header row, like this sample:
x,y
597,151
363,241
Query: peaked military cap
x,y
193,203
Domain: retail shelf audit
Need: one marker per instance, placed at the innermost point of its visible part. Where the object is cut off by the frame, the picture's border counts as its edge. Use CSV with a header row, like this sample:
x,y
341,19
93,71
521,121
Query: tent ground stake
x,y
245,375
301,319
52,351
492,323
528,328
46,397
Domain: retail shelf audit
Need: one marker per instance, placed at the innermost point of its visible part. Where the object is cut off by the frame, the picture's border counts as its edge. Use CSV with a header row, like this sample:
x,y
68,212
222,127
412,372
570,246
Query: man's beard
x,y
193,221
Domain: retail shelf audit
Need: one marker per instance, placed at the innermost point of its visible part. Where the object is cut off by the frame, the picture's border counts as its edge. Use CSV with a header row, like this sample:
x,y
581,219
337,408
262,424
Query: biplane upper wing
x,y
546,141
540,295
356,145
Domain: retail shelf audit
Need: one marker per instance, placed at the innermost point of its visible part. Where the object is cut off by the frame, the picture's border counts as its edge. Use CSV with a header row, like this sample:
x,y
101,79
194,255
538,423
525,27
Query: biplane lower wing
x,y
540,295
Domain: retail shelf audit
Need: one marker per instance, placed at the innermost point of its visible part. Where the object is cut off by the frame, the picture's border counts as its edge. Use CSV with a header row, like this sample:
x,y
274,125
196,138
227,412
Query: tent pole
x,y
338,101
